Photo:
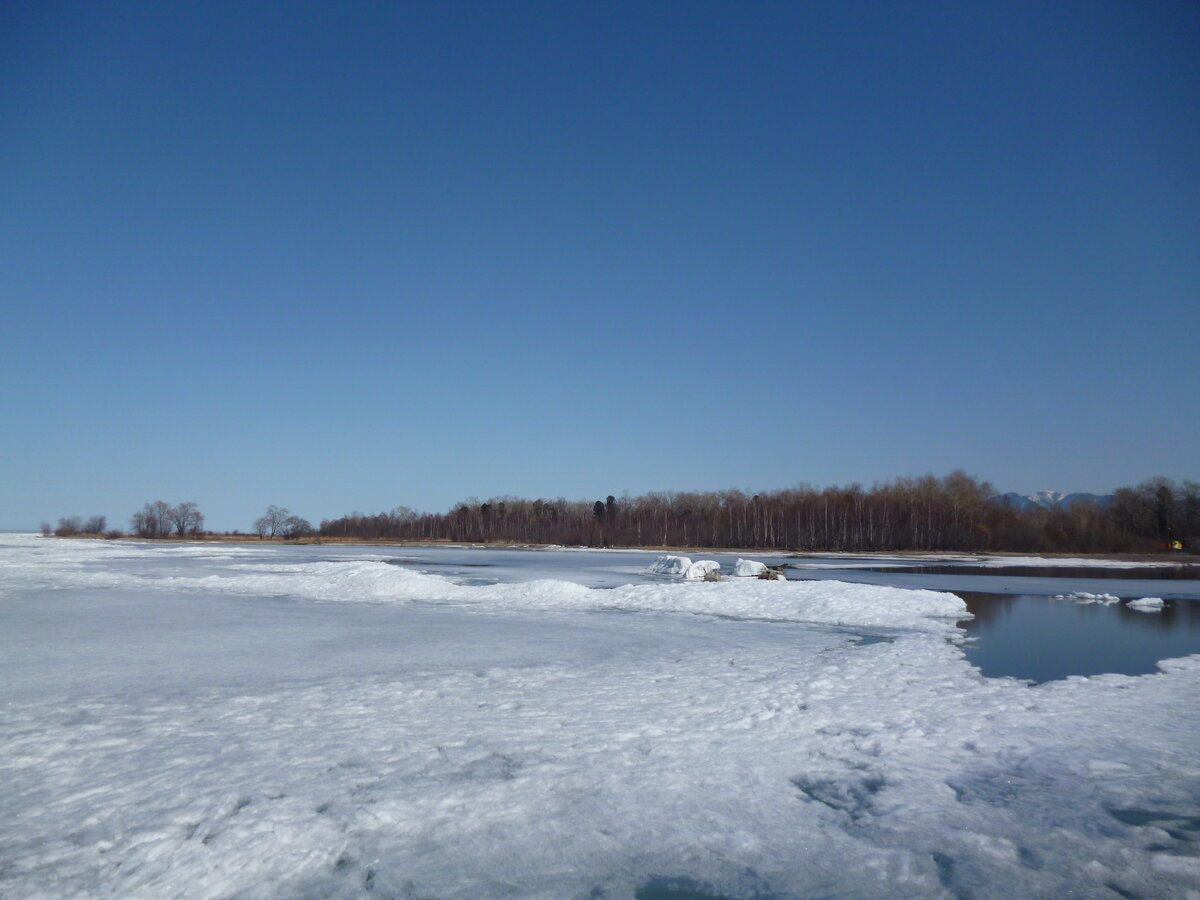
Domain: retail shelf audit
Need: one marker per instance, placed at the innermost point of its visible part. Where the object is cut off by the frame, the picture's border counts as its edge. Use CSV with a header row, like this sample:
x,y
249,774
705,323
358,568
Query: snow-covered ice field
x,y
269,722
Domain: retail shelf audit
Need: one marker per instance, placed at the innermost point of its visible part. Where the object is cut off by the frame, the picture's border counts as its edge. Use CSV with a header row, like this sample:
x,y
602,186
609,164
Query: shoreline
x,y
1157,558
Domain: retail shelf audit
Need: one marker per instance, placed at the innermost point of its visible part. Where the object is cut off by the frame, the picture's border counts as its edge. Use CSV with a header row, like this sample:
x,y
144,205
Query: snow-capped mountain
x,y
1050,499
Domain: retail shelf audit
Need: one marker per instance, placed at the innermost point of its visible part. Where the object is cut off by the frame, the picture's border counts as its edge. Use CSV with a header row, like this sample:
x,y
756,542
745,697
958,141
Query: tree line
x,y
154,520
160,519
955,512
278,521
69,526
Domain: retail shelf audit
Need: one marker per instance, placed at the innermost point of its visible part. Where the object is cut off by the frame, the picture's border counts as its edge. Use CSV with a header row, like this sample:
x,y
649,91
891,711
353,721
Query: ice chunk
x,y
670,565
1083,597
1147,604
684,567
749,568
701,567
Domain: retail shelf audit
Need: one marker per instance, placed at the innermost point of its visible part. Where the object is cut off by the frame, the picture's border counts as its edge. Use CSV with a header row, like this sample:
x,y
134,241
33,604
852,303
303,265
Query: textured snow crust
x,y
595,741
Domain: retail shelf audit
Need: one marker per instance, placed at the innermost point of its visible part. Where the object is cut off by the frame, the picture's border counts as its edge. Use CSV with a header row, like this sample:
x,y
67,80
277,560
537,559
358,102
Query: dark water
x,y
1043,639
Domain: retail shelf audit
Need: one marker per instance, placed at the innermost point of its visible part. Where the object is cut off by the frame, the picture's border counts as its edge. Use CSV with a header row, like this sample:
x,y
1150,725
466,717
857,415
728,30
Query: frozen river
x,y
192,720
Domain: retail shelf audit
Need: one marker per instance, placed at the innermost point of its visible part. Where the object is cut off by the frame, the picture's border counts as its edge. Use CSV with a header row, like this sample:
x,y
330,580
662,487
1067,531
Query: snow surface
x,y
269,722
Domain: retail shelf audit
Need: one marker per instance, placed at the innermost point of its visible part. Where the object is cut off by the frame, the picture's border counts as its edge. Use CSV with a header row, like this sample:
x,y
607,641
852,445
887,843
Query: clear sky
x,y
340,256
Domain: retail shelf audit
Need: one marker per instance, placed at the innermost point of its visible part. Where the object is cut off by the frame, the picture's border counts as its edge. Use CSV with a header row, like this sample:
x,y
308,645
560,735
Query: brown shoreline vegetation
x,y
954,514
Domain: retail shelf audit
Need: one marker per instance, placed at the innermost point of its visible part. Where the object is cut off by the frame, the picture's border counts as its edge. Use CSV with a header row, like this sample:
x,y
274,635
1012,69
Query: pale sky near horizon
x,y
346,257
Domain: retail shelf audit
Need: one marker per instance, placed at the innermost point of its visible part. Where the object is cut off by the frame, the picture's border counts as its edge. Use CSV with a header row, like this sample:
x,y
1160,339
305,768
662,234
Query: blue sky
x,y
351,256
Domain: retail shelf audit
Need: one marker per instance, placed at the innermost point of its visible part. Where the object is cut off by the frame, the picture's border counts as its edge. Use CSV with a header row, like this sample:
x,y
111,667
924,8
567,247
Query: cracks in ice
x,y
1117,889
748,885
950,873
852,795
1179,826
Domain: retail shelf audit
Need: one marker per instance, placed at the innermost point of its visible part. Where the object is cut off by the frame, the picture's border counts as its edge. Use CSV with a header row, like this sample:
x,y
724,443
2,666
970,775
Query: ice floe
x,y
1084,597
1074,562
1147,604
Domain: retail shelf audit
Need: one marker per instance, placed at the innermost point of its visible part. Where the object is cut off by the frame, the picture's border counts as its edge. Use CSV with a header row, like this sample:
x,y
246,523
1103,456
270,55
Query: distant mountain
x,y
1050,500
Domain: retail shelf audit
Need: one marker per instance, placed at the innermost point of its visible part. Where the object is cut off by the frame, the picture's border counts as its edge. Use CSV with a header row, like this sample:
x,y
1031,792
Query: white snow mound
x,y
684,567
700,568
670,565
749,568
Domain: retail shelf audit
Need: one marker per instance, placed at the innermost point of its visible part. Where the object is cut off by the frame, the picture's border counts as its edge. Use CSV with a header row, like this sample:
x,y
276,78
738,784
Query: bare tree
x,y
271,524
162,518
1189,502
154,520
296,527
187,519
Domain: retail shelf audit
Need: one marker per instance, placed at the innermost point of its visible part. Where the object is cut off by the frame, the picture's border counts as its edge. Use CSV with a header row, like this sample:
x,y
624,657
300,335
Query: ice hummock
x,y
683,567
670,565
749,568
701,568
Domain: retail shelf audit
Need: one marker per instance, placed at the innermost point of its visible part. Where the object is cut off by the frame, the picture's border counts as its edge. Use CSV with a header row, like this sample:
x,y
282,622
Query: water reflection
x,y
1037,637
